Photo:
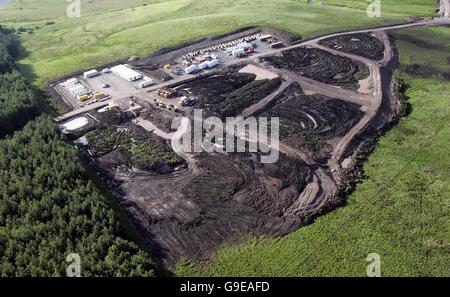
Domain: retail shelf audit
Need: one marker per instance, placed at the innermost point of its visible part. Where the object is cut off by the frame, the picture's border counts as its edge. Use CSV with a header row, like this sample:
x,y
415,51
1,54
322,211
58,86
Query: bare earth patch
x,y
259,72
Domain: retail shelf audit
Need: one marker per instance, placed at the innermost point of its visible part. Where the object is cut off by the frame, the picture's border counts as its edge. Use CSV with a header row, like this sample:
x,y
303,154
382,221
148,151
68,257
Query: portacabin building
x,y
126,73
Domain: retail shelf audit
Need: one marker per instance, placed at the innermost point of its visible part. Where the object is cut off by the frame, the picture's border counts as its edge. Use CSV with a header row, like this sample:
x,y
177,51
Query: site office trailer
x,y
126,73
90,73
191,69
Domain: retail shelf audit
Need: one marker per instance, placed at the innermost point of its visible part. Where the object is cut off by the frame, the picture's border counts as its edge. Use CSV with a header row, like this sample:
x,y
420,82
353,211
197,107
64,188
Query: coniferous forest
x,y
49,207
19,102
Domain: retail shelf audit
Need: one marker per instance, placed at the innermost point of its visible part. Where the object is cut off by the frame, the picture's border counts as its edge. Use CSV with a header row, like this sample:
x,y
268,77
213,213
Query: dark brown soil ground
x,y
309,121
321,66
161,118
189,215
361,44
179,213
229,92
190,208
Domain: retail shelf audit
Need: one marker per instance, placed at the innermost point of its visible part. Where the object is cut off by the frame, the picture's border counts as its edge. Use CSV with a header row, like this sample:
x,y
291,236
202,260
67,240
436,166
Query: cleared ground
x,y
217,198
321,66
308,121
400,211
364,45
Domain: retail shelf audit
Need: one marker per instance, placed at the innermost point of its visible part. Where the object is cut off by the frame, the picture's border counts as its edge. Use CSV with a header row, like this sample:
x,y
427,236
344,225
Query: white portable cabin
x,y
264,38
244,45
203,65
191,69
213,63
75,124
70,83
145,83
90,73
126,73
78,90
238,52
277,45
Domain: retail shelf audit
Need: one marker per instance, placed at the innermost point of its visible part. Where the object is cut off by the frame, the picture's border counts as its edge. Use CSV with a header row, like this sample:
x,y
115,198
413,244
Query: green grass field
x,y
400,211
116,29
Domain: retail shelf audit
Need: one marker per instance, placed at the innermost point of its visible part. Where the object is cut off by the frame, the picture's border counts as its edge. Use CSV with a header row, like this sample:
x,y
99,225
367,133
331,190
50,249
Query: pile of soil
x,y
321,66
131,146
159,117
113,117
285,37
229,92
361,44
209,89
308,121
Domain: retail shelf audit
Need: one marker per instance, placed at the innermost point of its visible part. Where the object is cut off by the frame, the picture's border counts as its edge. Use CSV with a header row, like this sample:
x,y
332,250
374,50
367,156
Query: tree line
x,y
49,207
19,102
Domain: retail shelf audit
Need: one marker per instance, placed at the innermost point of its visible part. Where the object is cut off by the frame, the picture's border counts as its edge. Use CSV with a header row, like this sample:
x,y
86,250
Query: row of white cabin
x,y
146,82
75,87
121,70
125,72
221,46
197,67
240,49
91,73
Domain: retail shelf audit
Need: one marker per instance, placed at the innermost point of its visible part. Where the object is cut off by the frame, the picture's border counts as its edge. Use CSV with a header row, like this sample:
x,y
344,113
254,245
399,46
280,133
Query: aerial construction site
x,y
332,95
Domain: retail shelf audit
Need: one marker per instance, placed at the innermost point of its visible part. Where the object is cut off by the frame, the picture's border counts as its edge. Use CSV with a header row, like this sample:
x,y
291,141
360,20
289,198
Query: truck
x,y
99,95
83,98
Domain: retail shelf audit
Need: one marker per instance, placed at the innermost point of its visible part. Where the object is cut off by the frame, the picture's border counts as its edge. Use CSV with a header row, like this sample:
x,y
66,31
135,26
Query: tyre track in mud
x,y
374,102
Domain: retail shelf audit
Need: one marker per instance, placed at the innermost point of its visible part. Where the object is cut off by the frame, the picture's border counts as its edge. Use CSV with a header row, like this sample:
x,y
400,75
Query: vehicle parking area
x,y
222,53
80,91
106,83
118,87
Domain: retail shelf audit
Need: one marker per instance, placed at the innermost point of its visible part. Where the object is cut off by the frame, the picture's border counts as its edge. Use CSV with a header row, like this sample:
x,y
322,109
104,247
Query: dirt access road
x,y
312,201
375,103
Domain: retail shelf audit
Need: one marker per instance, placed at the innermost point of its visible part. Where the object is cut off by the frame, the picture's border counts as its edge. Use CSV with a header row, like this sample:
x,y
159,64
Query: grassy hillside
x,y
112,29
400,211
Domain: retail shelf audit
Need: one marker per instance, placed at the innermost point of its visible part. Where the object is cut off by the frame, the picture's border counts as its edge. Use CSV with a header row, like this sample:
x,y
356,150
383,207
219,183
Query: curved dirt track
x,y
373,104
